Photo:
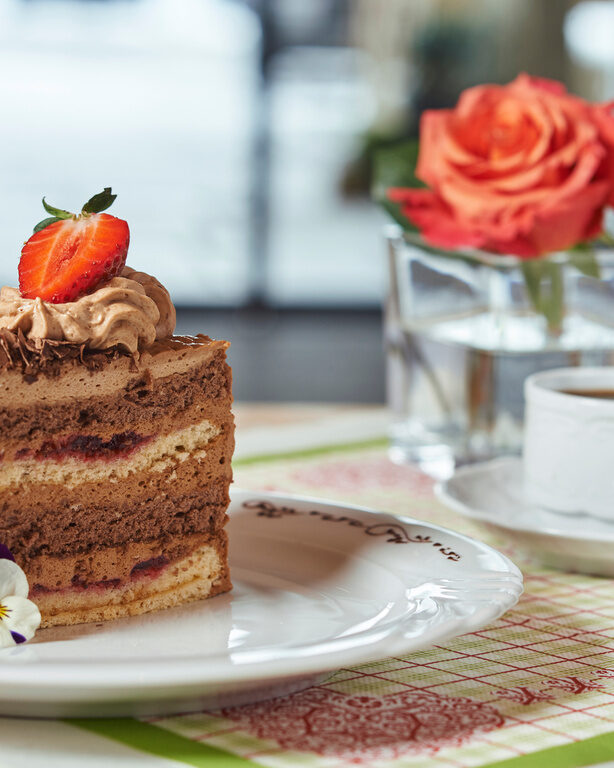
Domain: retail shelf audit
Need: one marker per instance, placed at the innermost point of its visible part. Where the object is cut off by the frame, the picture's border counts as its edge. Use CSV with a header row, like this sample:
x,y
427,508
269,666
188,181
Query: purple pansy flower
x,y
19,617
5,553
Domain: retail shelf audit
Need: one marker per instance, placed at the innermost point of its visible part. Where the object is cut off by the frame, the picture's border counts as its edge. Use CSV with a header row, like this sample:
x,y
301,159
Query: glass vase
x,y
464,329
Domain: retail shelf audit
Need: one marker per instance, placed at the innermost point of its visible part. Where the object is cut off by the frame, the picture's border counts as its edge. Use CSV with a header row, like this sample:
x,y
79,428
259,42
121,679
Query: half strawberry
x,y
70,254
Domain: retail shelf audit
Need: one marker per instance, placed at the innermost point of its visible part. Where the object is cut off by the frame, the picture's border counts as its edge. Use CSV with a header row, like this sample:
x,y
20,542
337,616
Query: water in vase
x,y
456,381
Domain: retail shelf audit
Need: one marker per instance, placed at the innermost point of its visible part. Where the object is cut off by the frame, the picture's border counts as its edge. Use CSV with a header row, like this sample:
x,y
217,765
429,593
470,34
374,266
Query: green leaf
x,y
58,213
395,166
394,210
545,286
99,202
533,271
553,306
584,260
46,222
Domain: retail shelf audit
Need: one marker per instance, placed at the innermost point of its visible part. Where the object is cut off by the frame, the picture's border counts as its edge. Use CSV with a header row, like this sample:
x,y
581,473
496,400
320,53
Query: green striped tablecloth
x,y
533,690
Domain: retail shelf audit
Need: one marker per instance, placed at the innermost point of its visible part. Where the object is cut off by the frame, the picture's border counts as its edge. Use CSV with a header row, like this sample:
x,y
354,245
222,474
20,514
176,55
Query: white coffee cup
x,y
568,455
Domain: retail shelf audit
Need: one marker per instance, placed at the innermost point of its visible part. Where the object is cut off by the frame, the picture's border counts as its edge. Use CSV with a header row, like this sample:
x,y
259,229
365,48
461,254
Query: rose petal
x,y
486,200
477,99
564,225
602,115
22,617
13,580
548,176
434,220
529,82
494,126
433,163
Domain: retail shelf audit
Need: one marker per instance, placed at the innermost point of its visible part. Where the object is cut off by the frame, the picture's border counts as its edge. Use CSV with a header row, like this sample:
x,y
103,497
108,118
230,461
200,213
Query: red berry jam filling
x,y
150,567
145,569
77,584
86,447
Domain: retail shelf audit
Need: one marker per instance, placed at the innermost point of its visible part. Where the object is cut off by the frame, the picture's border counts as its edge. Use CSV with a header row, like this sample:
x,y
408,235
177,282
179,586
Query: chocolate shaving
x,y
35,357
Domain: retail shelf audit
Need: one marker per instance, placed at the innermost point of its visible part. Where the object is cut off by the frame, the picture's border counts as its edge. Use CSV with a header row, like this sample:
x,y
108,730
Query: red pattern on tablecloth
x,y
361,729
350,475
524,695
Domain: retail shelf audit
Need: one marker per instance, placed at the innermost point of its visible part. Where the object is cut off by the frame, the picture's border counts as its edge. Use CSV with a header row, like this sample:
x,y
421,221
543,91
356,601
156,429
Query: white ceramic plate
x,y
492,492
318,586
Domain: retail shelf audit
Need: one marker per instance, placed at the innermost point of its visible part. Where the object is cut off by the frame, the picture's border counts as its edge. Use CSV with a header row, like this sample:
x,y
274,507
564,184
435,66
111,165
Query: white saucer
x,y
317,586
492,492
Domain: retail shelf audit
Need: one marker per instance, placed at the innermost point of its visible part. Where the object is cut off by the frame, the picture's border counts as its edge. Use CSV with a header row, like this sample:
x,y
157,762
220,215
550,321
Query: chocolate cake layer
x,y
200,573
179,516
160,404
53,518
169,357
156,455
112,563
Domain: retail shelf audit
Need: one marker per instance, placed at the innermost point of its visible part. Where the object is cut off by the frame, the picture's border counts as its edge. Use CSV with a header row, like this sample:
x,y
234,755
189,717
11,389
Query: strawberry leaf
x,y
99,202
56,212
46,222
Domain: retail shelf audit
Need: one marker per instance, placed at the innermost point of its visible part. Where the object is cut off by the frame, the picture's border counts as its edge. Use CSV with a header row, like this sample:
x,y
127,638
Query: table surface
x,y
533,690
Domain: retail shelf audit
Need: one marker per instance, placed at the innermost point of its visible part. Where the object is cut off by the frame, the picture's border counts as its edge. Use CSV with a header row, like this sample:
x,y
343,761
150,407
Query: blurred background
x,y
239,137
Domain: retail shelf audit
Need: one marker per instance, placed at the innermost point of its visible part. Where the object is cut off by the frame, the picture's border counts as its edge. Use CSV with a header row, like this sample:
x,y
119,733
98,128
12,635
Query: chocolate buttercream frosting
x,y
131,310
46,356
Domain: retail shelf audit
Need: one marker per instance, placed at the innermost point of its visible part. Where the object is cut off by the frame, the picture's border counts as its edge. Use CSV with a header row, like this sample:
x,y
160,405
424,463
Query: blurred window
x,y
324,241
153,97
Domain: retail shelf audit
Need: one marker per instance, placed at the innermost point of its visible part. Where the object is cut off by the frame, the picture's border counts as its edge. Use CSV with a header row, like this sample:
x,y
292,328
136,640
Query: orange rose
x,y
524,169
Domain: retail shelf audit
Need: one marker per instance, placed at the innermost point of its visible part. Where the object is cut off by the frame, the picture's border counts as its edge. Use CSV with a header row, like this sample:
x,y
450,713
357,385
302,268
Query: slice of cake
x,y
117,437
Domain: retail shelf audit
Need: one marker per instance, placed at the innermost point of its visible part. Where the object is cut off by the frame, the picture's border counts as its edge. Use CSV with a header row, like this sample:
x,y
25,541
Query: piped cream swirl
x,y
131,310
